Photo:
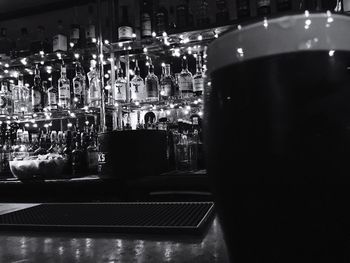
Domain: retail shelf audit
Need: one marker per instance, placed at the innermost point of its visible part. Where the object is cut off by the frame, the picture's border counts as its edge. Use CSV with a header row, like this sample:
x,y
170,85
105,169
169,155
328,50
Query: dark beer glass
x,y
277,135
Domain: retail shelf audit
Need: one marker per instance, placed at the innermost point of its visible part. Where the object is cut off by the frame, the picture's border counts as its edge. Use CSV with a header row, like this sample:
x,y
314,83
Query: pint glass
x,y
277,135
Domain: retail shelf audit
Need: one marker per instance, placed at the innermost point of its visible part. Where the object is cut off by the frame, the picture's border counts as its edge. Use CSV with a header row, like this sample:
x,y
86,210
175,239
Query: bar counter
x,y
68,247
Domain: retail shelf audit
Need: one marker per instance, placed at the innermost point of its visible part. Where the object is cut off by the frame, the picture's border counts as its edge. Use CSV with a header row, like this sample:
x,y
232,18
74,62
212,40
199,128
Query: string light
x,y
107,76
87,123
7,65
35,125
200,38
154,34
71,44
94,56
133,35
106,42
69,124
144,49
120,44
24,61
76,55
137,103
42,62
94,40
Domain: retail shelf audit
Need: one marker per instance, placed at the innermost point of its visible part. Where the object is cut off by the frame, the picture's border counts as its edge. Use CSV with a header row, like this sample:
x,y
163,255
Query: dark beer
x,y
278,147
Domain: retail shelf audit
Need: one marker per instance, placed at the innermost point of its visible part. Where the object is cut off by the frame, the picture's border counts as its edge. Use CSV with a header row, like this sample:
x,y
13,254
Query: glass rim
x,y
286,34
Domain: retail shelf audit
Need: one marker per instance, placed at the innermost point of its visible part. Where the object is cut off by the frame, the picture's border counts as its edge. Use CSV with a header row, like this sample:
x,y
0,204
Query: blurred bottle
x,y
152,84
37,92
59,43
52,94
120,85
138,92
161,18
125,29
74,35
146,24
90,31
198,78
264,7
94,99
64,98
185,80
222,14
182,15
167,84
23,43
78,87
40,42
243,8
6,45
203,19
284,5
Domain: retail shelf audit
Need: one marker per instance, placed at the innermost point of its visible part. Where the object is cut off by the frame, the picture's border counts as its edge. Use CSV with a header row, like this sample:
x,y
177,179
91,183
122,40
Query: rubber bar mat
x,y
140,217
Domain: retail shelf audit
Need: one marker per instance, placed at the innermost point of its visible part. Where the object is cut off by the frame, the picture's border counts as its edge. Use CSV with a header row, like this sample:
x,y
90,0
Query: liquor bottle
x,y
161,18
177,88
152,84
92,154
45,86
23,43
94,96
67,151
4,97
146,25
59,42
120,85
64,89
167,84
26,95
78,157
185,80
52,96
264,7
138,92
90,31
40,42
74,36
17,96
198,79
125,29
5,44
182,15
78,87
37,92
203,19
222,15
243,8
108,92
284,5
53,143
6,153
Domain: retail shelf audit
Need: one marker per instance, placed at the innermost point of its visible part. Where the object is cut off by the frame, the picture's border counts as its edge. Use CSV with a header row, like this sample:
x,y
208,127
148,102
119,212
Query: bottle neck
x,y
184,65
198,65
63,73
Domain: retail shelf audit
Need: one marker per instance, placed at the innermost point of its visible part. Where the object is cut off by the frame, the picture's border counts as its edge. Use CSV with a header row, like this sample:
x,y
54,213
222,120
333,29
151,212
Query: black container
x,y
130,154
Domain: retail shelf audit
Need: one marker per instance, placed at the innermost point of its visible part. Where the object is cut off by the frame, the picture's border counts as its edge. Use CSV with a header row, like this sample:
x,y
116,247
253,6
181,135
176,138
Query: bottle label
x,y
166,89
52,98
185,84
64,92
146,27
120,92
137,90
262,3
36,98
90,32
74,35
102,158
60,43
198,84
78,87
125,32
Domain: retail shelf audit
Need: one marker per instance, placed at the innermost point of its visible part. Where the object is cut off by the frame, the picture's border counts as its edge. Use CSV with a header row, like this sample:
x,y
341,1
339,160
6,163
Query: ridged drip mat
x,y
145,217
